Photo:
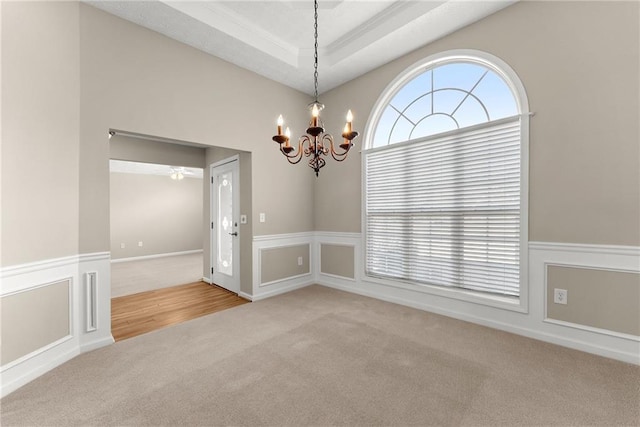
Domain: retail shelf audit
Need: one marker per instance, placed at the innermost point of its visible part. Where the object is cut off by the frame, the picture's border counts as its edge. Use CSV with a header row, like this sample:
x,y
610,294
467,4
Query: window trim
x,y
512,80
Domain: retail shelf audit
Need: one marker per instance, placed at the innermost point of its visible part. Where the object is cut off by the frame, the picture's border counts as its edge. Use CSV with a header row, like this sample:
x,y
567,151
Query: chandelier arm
x,y
331,148
295,156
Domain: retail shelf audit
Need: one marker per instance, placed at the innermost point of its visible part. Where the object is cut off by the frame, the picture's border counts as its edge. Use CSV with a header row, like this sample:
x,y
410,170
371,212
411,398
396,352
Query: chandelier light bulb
x,y
287,133
349,116
280,123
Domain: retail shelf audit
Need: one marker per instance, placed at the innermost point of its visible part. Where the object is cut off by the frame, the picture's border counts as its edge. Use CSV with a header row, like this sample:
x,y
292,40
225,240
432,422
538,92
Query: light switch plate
x,y
243,219
263,217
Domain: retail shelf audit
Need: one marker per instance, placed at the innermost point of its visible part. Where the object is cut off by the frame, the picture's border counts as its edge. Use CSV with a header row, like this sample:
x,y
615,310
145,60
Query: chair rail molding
x,y
32,276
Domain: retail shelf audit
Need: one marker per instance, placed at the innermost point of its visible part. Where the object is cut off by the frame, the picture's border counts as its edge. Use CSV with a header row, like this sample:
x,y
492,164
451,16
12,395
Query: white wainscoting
x,y
338,239
262,290
154,256
531,322
26,277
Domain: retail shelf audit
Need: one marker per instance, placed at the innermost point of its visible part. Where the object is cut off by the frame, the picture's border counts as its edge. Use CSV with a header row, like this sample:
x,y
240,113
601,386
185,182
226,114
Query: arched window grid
x,y
491,65
467,94
504,127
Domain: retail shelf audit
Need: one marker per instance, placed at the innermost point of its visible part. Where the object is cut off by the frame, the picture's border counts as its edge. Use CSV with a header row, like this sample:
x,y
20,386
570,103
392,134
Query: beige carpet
x,y
132,277
318,356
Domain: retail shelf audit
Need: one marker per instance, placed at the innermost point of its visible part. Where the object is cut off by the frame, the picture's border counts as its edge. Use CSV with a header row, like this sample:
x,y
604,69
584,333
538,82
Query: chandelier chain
x,y
315,143
315,56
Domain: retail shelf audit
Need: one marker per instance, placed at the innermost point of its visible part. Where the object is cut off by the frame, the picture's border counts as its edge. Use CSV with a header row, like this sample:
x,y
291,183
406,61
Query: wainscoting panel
x,y
56,332
338,259
532,322
267,249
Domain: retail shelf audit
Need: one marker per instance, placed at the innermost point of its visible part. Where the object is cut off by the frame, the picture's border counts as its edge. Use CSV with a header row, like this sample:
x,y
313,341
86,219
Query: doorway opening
x,y
162,247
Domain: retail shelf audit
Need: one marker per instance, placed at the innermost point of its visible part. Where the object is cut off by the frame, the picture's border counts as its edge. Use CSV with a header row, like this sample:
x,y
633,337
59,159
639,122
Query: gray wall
x,y
602,299
192,97
579,62
281,263
337,260
40,131
162,213
33,319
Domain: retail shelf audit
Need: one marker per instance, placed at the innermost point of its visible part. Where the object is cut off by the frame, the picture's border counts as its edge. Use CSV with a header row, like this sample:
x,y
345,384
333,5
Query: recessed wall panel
x,y
604,299
282,263
34,319
337,260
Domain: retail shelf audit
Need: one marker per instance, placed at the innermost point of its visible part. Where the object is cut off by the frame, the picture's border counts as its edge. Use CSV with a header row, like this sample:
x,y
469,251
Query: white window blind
x,y
446,210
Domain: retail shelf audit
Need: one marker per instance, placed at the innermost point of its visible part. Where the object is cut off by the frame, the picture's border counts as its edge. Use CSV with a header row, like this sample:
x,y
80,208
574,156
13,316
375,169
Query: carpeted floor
x,y
318,356
132,277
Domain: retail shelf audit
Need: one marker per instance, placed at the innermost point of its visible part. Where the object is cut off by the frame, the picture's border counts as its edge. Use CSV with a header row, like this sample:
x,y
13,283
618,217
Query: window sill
x,y
517,304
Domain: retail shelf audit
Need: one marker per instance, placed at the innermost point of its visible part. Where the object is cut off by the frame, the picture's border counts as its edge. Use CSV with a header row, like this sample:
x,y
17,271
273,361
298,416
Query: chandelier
x,y
315,143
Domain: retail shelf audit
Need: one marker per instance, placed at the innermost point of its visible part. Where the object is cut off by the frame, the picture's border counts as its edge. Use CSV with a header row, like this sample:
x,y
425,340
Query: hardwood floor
x,y
137,314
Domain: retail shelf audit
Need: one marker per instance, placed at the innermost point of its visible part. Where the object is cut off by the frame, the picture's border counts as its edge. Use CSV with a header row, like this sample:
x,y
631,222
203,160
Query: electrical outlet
x,y
560,296
299,260
263,217
122,245
140,244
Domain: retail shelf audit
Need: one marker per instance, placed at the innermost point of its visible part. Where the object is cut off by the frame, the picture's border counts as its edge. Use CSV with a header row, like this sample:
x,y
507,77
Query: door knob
x,y
235,233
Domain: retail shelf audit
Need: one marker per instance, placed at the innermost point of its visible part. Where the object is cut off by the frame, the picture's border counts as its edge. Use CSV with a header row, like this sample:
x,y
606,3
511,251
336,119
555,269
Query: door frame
x,y
232,284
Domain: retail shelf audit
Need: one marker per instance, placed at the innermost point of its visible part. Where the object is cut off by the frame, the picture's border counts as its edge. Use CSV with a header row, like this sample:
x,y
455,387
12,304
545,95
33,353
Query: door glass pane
x,y
225,224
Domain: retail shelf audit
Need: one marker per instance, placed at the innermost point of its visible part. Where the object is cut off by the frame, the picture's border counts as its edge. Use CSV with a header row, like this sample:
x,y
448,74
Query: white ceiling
x,y
275,38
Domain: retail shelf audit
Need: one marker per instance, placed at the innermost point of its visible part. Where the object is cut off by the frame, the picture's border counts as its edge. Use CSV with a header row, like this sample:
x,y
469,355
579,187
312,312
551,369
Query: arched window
x,y
445,157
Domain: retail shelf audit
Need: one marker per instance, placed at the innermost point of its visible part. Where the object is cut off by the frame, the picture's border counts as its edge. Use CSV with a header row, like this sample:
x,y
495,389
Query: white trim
x,y
284,284
351,240
337,276
91,303
286,279
594,348
31,267
34,275
38,364
167,254
633,251
207,280
485,59
533,323
96,344
35,353
95,256
245,296
273,238
592,329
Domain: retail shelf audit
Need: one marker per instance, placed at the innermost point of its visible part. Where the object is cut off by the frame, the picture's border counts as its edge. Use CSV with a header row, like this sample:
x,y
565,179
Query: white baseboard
x,y
286,286
245,296
206,280
531,324
144,257
31,276
36,364
96,344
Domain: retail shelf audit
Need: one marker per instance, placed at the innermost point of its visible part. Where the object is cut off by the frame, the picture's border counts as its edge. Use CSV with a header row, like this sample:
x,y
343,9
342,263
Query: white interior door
x,y
225,247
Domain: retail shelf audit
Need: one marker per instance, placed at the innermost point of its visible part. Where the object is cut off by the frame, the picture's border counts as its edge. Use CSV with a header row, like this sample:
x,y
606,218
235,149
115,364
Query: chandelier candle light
x,y
315,142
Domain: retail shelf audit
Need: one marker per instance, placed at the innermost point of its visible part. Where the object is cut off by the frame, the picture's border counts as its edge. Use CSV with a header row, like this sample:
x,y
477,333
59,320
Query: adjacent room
x,y
425,212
